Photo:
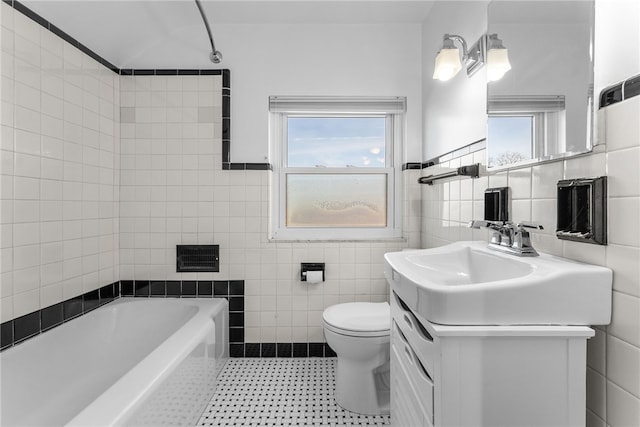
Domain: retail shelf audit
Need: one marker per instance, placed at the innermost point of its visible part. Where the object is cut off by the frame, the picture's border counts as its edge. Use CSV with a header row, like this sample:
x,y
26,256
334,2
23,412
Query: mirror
x,y
542,108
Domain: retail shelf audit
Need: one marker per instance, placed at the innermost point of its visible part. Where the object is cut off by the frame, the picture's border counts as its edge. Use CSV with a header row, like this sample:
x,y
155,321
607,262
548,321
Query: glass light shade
x,y
447,64
497,64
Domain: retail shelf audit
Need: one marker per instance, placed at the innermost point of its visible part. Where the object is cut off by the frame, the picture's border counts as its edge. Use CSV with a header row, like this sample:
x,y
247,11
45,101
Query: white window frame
x,y
281,108
547,131
549,120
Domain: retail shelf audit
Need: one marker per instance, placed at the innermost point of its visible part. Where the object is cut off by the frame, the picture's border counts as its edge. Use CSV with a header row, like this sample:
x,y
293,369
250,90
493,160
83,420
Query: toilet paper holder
x,y
310,266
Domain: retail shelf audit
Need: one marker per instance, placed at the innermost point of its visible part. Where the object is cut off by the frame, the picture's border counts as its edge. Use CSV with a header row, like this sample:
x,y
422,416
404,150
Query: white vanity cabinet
x,y
485,375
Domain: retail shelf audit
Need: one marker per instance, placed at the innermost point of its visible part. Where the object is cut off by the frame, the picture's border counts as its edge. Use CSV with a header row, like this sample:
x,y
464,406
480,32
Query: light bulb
x,y
447,64
497,64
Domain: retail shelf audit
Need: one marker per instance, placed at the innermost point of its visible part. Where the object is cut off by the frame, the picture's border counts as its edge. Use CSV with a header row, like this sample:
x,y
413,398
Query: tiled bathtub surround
x,y
613,392
17,330
59,175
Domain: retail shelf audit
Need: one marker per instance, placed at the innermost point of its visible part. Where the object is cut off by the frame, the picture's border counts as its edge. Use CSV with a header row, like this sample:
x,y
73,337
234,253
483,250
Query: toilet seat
x,y
358,319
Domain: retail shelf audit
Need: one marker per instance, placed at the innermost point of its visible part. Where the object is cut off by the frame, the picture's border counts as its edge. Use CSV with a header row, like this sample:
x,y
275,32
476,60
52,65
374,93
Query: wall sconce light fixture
x,y
497,58
449,61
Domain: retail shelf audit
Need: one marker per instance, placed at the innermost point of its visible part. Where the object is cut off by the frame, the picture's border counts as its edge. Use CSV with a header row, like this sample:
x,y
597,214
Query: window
x,y
336,176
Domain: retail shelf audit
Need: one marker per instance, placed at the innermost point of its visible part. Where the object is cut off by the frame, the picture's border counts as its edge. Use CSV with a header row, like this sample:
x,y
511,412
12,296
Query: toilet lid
x,y
359,316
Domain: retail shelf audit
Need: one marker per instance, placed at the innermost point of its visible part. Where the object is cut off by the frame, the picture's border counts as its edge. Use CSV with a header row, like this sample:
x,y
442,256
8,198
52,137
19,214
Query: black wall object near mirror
x,y
496,204
582,210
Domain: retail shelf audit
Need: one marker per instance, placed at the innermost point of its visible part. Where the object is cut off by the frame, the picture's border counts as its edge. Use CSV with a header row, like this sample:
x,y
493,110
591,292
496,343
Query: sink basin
x,y
466,283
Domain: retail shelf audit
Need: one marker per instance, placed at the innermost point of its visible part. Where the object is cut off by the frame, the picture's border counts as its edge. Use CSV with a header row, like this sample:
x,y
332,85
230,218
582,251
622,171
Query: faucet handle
x,y
529,225
493,225
522,240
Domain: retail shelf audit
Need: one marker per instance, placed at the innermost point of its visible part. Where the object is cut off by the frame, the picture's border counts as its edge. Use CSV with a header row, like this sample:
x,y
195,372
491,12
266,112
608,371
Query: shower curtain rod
x,y
216,56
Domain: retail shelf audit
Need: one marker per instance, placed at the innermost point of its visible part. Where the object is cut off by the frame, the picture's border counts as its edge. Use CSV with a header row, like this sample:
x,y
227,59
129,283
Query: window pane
x,y
336,141
510,139
336,200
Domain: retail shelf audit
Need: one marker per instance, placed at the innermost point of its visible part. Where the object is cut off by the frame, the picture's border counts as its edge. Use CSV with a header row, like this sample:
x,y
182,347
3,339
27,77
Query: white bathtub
x,y
135,361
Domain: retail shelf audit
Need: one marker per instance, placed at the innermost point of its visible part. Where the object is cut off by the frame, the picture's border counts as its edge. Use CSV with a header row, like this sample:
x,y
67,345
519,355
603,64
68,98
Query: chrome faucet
x,y
509,237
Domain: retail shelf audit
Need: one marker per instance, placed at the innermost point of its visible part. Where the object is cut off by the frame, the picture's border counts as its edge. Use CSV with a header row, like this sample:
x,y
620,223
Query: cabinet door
x,y
419,338
406,410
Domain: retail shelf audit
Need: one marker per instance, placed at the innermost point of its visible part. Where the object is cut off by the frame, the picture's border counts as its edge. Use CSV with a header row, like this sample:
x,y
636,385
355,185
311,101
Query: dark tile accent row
x,y
428,164
411,165
312,349
247,166
184,288
27,326
620,91
226,79
226,128
233,291
168,72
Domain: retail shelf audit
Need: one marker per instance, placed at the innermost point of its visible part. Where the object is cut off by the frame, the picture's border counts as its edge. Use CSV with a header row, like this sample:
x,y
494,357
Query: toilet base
x,y
361,390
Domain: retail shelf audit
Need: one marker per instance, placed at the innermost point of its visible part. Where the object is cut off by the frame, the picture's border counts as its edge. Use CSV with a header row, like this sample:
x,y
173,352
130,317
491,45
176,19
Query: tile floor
x,y
280,392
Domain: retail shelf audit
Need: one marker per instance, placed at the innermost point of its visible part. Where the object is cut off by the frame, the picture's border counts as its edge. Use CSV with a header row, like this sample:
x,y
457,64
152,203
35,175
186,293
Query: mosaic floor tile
x,y
280,392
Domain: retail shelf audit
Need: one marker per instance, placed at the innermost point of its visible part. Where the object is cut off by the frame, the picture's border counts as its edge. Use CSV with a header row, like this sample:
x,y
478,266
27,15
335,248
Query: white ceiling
x,y
122,30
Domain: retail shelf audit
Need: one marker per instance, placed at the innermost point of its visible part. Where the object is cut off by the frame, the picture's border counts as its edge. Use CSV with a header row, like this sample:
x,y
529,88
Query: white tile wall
x,y
173,191
60,143
613,385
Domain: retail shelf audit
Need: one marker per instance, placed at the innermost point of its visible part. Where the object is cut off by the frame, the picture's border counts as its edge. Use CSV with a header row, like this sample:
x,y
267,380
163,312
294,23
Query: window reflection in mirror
x,y
542,107
511,139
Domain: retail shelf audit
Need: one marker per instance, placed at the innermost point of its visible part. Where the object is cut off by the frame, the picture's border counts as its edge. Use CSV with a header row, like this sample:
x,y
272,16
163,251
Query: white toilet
x,y
359,334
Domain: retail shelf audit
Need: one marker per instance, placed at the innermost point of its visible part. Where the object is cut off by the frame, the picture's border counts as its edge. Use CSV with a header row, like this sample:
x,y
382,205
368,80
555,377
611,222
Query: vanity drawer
x,y
415,333
405,404
412,371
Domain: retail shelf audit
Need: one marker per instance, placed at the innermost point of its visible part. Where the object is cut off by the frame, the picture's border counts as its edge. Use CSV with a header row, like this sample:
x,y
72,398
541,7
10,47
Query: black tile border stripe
x,y
169,72
247,166
619,92
411,165
282,350
20,329
32,324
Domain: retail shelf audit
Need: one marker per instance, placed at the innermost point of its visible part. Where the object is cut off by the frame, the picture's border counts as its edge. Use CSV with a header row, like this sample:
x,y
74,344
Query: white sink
x,y
466,283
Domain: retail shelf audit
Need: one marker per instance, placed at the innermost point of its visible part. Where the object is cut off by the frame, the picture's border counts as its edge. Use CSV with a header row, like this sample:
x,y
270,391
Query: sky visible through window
x,y
336,141
510,139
